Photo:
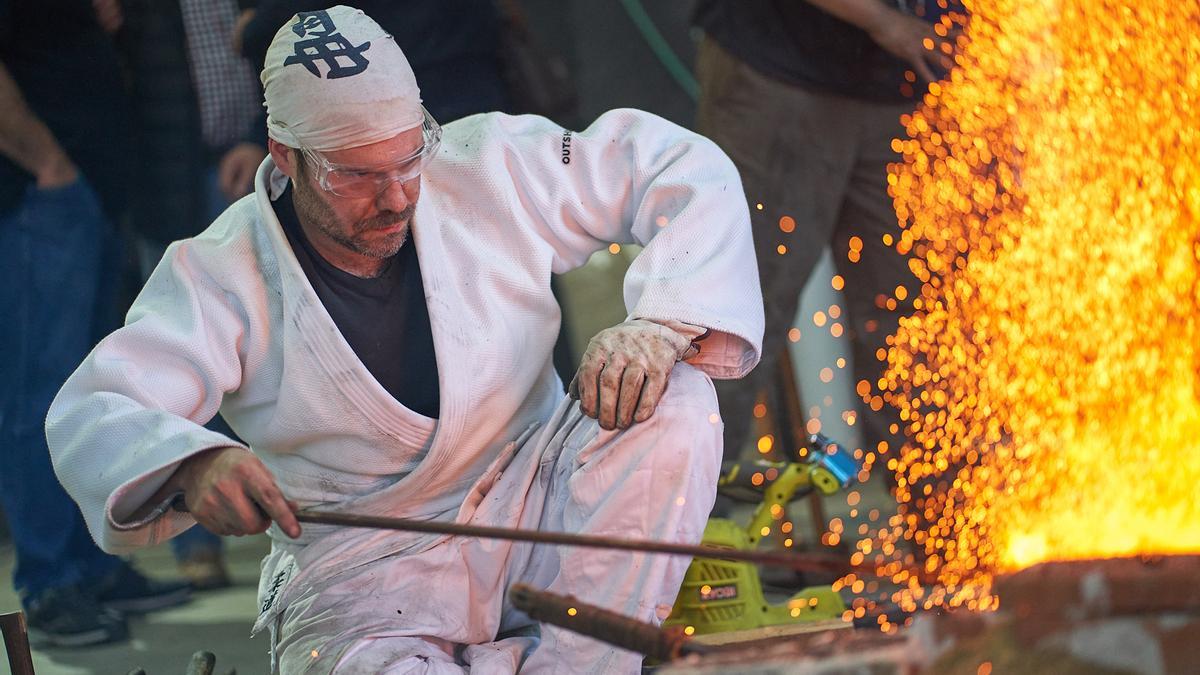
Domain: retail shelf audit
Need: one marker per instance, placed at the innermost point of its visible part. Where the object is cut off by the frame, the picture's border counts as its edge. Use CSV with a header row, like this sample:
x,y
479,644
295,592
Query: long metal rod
x,y
565,611
796,561
16,643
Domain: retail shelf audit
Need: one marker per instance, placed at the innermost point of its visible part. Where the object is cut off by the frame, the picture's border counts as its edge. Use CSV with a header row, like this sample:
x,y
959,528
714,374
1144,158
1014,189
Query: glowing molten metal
x,y
1048,380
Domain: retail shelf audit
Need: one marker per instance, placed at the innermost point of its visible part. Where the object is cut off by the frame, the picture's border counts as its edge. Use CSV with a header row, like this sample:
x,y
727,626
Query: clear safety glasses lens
x,y
361,182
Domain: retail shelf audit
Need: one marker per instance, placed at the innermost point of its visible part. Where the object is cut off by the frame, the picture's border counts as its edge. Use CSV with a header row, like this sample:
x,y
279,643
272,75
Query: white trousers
x,y
445,609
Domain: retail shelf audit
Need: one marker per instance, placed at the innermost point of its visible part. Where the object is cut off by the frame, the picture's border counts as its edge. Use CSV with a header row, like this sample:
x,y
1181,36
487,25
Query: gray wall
x,y
611,63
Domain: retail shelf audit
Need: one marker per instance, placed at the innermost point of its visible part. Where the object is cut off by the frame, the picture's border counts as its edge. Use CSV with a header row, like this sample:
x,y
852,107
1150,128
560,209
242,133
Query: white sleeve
x,y
634,177
135,407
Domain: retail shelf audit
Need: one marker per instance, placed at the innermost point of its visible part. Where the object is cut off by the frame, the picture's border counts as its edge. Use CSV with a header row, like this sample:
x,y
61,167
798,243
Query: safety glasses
x,y
360,182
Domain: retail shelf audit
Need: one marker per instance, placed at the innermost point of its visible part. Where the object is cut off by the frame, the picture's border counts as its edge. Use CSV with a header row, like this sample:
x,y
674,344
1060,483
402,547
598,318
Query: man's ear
x,y
284,157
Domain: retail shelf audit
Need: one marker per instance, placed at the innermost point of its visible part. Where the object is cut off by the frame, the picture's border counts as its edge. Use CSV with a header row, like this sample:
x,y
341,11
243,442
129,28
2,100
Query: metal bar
x,y
796,561
16,643
616,629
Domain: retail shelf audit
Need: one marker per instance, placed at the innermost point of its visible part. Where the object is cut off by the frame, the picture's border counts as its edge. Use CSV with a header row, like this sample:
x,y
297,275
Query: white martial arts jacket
x,y
228,322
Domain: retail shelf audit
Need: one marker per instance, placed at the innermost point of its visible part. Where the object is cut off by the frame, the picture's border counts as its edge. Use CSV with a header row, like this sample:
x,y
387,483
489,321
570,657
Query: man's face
x,y
363,231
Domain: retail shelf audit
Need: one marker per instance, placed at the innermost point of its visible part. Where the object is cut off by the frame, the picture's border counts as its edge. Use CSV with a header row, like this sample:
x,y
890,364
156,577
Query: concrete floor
x,y
162,643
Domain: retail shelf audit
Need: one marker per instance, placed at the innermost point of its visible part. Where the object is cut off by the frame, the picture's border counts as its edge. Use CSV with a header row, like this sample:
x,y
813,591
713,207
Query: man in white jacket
x,y
376,323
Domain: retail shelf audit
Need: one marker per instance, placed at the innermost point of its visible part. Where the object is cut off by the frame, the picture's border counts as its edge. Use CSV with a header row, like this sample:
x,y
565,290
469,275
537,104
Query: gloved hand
x,y
624,371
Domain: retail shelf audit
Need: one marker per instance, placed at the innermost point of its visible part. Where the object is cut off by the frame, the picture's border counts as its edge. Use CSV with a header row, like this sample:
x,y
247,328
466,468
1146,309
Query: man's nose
x,y
394,197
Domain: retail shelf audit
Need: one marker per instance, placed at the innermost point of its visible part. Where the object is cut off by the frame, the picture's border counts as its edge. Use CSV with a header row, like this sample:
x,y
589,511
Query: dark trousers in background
x,y
52,258
822,160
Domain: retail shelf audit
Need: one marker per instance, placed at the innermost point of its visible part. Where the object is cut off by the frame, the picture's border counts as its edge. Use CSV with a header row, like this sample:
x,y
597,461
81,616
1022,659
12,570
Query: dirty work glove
x,y
624,371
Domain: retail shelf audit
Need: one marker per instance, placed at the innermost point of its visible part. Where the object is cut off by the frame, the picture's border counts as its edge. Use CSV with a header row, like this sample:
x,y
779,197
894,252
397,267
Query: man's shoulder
x,y
238,220
476,135
232,262
479,133
233,238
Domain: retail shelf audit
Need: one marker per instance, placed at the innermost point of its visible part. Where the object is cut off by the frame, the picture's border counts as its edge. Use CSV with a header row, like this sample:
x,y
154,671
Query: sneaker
x,y
205,570
129,591
71,617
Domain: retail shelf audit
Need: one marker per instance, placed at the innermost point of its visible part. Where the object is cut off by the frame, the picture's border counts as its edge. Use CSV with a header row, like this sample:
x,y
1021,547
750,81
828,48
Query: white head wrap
x,y
333,79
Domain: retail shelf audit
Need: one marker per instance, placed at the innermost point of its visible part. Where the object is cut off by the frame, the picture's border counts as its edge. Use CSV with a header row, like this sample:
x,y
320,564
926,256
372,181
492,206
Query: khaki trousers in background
x,y
822,160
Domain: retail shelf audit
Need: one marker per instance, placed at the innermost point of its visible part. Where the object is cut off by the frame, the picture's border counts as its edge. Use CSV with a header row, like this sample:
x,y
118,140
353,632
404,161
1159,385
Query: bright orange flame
x,y
1049,381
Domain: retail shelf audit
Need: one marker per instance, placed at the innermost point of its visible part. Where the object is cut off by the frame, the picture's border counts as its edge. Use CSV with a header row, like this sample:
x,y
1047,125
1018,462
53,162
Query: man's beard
x,y
310,207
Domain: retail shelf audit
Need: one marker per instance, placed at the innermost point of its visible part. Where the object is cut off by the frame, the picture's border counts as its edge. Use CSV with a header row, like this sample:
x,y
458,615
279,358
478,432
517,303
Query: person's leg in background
x,y
199,555
874,304
53,244
794,150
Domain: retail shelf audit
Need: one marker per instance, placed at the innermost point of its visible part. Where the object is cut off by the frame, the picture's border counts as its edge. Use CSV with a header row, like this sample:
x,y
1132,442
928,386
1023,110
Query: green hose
x,y
658,44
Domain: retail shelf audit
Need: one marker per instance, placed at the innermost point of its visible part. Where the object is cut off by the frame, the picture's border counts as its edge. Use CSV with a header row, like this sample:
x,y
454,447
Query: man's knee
x,y
688,420
688,386
684,430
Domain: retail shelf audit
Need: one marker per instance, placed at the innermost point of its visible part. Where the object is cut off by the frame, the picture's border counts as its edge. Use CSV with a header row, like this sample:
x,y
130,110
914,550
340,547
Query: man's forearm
x,y
868,15
26,140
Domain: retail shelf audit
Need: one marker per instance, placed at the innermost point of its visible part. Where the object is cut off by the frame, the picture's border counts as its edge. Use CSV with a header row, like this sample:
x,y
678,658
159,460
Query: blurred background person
x,y
200,131
806,98
63,154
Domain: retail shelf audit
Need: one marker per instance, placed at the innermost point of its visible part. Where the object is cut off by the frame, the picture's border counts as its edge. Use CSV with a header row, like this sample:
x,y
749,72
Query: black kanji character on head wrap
x,y
324,43
347,104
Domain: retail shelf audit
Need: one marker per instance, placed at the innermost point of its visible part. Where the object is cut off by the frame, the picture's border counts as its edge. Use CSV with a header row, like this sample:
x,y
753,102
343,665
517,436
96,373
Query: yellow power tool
x,y
718,595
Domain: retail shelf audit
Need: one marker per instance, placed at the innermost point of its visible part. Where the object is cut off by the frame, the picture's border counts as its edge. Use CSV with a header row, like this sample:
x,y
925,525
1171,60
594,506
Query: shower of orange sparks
x,y
1049,379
